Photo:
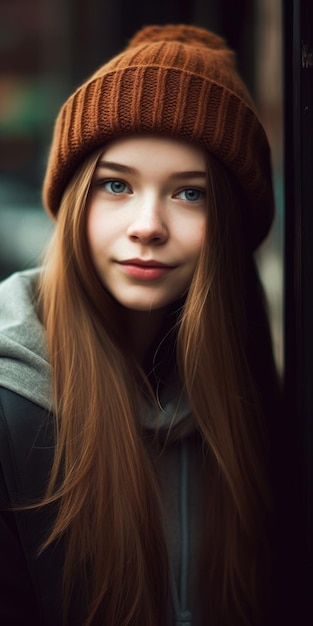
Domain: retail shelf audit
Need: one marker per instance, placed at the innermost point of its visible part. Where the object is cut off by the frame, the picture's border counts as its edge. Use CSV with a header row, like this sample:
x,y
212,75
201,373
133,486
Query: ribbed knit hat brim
x,y
176,81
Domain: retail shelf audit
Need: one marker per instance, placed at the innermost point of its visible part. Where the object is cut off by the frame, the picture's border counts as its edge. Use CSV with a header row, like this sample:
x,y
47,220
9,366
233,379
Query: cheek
x,y
96,231
95,241
197,236
201,231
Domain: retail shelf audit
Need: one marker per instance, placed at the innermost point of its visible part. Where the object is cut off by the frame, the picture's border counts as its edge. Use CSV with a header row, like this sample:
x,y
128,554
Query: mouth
x,y
143,263
140,269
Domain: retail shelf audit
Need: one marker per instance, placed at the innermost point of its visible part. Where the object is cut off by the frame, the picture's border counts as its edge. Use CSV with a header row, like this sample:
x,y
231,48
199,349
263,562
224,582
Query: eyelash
x,y
111,181
201,193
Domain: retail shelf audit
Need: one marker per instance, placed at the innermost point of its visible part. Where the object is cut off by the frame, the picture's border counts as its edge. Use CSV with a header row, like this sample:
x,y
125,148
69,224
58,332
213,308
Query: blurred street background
x,y
48,47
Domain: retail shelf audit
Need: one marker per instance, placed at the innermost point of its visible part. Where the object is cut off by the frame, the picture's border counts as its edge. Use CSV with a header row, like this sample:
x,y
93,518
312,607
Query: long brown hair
x,y
102,476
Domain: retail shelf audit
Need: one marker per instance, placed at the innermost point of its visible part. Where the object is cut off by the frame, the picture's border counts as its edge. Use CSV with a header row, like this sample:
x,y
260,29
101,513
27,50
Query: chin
x,y
144,307
147,306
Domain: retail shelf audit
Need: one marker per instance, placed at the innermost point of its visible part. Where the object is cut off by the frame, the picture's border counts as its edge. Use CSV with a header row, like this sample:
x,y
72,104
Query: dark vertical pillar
x,y
298,76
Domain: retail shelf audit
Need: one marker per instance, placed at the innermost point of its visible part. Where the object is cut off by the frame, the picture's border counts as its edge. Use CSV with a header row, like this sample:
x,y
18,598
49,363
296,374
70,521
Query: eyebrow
x,y
127,169
117,167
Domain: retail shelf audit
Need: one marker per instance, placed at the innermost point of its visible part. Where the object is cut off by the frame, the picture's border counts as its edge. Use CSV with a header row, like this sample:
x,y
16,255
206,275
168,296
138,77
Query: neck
x,y
145,331
143,328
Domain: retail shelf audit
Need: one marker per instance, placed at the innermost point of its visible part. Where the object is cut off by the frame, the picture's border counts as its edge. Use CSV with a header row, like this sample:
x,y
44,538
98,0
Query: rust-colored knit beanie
x,y
178,81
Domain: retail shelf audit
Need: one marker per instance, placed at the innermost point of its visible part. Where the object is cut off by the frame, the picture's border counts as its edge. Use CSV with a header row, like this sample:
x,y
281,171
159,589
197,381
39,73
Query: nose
x,y
149,224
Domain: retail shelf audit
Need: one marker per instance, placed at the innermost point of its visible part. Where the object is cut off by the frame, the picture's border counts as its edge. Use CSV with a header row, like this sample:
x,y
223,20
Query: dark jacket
x,y
30,581
26,455
30,585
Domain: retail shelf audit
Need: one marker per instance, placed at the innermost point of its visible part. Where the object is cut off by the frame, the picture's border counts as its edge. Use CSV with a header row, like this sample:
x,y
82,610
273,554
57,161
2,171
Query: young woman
x,y
138,387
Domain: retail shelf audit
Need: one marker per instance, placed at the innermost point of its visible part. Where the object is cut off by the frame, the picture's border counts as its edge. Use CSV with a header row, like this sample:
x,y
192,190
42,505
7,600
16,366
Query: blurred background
x,y
48,47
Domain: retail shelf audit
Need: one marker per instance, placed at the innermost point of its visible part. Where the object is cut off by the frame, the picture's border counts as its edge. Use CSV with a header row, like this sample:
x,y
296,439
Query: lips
x,y
145,270
143,263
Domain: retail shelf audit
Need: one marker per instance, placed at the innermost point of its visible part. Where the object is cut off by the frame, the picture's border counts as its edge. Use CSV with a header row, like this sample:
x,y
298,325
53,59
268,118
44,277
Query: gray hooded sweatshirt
x,y
25,370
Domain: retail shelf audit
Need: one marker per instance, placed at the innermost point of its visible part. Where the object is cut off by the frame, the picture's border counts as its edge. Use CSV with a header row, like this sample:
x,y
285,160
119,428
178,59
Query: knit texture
x,y
177,81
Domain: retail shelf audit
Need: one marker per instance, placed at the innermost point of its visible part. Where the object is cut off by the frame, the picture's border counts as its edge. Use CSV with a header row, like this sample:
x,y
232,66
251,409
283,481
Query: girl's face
x,y
146,219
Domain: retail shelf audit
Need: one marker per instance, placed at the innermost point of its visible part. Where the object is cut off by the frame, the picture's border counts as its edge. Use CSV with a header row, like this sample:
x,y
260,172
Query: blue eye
x,y
115,186
191,195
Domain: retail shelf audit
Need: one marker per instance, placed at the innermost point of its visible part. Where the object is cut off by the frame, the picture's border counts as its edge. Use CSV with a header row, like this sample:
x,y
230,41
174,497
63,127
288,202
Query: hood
x,y
170,416
24,366
25,369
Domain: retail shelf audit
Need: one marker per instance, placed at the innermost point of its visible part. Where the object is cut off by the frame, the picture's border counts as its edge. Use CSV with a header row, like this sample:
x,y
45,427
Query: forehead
x,y
151,152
